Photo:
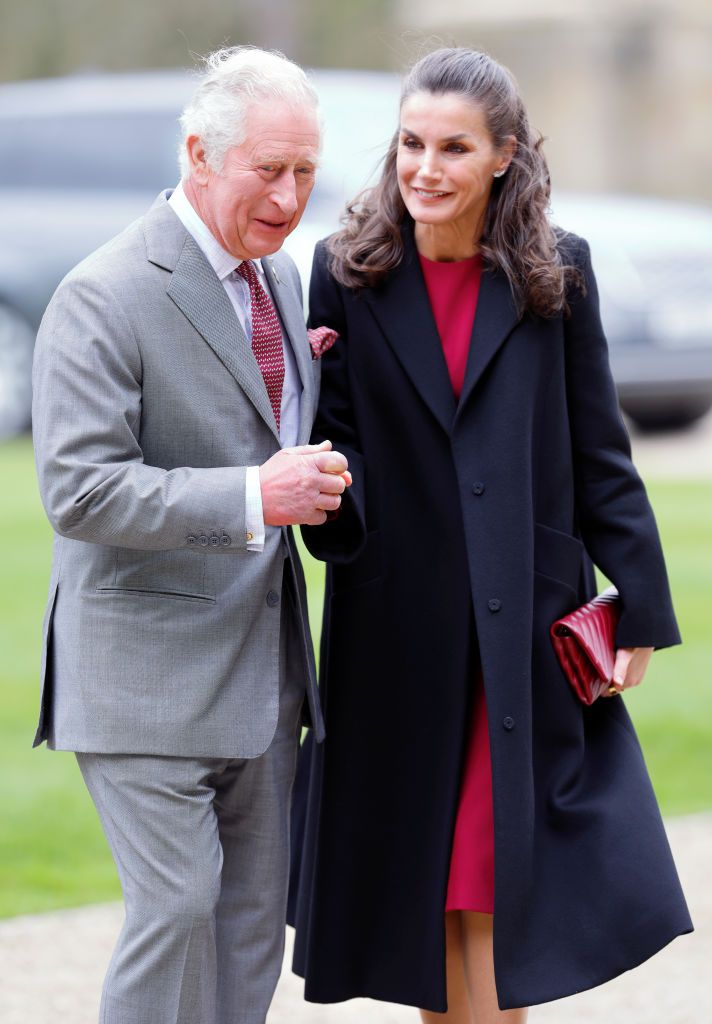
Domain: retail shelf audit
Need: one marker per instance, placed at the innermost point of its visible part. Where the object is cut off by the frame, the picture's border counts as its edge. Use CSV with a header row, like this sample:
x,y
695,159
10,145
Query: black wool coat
x,y
467,531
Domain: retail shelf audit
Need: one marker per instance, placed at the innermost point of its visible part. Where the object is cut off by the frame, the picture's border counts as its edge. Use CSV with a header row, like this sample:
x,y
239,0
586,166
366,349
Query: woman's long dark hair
x,y
517,239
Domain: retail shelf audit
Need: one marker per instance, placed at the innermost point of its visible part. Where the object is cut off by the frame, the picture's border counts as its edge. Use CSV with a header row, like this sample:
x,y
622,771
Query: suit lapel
x,y
196,290
402,309
495,317
294,325
200,296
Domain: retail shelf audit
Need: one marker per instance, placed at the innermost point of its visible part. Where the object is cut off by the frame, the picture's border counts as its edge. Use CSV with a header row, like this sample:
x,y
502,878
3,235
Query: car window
x,y
112,150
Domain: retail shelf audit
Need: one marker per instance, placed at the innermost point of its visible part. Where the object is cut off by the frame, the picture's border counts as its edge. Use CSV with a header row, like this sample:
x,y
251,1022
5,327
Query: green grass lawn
x,y
52,851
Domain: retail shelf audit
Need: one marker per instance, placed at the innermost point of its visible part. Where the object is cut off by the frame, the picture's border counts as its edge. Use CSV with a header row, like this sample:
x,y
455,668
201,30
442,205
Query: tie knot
x,y
247,271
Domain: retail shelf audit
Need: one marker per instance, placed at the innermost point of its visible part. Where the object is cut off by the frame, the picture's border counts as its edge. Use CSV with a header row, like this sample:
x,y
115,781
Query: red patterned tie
x,y
266,337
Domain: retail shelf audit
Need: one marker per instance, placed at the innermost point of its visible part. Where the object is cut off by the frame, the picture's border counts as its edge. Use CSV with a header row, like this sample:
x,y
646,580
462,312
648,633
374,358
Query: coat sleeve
x,y
87,409
341,539
617,523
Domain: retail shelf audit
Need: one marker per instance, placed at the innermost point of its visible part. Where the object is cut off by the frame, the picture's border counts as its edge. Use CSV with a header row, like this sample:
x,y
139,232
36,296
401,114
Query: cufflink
x,y
250,536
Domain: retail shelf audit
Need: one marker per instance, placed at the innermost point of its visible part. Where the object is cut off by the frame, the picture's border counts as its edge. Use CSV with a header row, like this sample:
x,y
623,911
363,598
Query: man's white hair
x,y
233,79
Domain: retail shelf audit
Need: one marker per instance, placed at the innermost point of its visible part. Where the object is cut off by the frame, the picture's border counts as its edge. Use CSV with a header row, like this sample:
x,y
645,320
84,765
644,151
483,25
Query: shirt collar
x,y
222,262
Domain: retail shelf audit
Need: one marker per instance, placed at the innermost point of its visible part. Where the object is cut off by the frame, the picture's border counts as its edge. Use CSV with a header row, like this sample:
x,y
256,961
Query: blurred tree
x,y
55,37
351,33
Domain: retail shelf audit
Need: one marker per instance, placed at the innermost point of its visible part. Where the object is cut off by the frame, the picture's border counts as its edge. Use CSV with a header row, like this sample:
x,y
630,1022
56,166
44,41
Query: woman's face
x,y
446,160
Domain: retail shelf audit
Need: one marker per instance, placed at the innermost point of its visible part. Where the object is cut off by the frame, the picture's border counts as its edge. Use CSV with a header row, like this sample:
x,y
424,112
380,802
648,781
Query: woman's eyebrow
x,y
447,138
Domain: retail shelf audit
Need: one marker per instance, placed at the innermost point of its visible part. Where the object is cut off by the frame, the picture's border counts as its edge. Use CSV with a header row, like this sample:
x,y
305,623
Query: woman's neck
x,y
445,243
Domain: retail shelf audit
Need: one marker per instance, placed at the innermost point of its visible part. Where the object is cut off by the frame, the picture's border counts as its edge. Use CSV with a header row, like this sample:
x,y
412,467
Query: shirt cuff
x,y
254,518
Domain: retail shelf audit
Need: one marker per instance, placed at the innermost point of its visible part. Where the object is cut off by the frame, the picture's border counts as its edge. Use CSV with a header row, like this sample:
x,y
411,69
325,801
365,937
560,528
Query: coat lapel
x,y
495,318
402,309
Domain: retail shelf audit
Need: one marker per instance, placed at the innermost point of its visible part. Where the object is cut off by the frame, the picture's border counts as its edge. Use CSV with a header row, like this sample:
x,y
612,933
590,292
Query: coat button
x,y
203,540
191,539
478,488
214,540
508,723
272,598
494,604
225,540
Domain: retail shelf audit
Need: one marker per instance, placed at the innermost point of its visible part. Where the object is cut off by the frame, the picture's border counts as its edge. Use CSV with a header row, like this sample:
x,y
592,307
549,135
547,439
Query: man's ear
x,y
199,169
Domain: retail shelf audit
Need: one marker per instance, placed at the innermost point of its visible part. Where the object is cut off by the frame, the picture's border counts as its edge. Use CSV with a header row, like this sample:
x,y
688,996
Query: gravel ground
x,y
51,966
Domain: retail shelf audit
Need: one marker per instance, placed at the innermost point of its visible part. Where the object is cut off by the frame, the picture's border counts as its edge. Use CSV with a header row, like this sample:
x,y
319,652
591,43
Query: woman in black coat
x,y
469,528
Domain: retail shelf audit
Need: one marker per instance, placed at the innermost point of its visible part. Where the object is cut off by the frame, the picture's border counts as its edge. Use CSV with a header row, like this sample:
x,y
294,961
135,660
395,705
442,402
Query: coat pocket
x,y
558,555
367,568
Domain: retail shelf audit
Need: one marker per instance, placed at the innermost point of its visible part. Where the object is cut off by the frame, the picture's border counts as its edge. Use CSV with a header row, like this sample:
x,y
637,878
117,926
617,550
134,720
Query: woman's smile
x,y
429,194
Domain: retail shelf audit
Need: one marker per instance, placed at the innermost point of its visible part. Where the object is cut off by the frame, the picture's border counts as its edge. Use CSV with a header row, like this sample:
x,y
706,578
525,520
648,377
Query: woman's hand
x,y
629,669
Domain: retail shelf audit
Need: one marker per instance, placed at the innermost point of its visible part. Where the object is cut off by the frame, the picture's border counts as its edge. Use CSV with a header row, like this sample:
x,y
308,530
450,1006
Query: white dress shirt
x,y
238,291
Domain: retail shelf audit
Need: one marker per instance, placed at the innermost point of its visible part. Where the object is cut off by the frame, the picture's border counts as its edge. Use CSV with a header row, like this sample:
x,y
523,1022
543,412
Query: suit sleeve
x,y
341,539
617,523
94,483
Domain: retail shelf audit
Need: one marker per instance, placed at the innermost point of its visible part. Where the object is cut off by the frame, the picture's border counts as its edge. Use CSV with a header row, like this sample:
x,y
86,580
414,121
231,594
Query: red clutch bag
x,y
584,642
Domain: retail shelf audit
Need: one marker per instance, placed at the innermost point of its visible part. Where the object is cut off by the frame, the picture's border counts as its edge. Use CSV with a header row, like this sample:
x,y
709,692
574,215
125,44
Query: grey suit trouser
x,y
202,850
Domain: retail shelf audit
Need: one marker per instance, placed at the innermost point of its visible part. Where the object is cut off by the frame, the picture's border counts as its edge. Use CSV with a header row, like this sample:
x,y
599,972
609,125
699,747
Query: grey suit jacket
x,y
162,631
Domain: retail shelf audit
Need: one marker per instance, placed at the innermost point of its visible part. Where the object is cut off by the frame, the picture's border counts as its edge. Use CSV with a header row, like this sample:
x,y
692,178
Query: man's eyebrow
x,y
282,158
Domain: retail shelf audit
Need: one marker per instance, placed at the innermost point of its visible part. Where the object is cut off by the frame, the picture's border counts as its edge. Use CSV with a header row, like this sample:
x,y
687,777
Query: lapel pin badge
x,y
274,271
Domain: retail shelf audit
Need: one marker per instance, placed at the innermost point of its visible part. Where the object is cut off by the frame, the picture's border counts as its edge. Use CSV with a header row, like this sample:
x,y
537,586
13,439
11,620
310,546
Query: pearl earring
x,y
498,174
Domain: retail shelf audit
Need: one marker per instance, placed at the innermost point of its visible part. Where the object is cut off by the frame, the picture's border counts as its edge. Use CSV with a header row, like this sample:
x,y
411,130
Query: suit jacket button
x,y
214,540
203,540
272,598
191,539
478,488
494,604
508,723
225,540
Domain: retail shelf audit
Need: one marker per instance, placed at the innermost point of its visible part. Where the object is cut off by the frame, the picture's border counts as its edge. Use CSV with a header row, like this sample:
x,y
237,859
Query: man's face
x,y
258,197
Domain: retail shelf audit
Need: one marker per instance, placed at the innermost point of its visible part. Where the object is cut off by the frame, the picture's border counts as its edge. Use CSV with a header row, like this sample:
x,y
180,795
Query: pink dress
x,y
453,289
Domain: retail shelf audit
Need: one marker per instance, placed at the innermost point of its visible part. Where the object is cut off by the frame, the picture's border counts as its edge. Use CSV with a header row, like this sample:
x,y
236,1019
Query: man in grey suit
x,y
174,396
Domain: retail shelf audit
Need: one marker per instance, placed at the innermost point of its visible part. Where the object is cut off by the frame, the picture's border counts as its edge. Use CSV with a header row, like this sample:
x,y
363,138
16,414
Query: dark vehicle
x,y
653,262
80,157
